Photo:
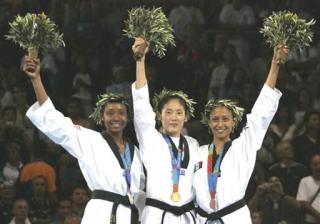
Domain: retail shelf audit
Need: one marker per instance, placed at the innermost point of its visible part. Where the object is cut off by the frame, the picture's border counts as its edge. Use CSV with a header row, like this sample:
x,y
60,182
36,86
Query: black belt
x,y
117,200
222,212
176,210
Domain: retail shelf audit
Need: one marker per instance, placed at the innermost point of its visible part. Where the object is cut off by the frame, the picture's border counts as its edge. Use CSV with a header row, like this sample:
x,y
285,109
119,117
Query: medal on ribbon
x,y
175,196
126,159
213,171
175,173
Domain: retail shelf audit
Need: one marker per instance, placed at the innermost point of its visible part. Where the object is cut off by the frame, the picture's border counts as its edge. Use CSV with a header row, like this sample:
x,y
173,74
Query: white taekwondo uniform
x,y
97,161
156,158
238,162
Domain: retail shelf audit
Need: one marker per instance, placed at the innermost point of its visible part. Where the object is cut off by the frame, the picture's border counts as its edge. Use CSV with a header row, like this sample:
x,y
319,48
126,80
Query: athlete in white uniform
x,y
110,164
168,156
220,189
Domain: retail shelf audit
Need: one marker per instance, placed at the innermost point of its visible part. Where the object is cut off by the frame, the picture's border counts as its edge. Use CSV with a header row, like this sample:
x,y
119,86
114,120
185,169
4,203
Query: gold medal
x,y
175,196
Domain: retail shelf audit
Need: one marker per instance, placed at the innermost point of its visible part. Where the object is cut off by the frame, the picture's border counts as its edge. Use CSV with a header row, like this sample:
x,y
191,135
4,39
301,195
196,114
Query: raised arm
x,y
31,67
140,47
280,54
45,117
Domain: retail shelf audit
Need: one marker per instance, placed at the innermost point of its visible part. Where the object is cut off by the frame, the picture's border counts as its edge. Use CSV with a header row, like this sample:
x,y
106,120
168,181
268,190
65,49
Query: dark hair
x,y
312,156
289,109
120,101
166,99
309,113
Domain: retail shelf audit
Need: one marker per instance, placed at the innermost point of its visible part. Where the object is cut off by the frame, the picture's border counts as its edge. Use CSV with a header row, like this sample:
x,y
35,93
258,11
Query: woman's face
x,y
221,123
115,117
173,116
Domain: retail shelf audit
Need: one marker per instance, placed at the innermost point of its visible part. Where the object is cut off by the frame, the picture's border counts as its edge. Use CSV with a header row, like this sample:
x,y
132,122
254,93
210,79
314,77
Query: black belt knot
x,y
117,200
176,210
214,216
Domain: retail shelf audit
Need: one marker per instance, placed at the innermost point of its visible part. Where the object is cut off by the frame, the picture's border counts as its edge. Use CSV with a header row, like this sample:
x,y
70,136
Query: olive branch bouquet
x,y
286,28
33,32
153,26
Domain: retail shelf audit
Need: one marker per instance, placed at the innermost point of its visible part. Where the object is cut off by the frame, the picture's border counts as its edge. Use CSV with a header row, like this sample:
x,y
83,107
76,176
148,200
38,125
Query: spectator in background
x,y
184,13
10,172
219,73
79,199
220,41
274,203
52,65
259,64
120,81
287,170
72,219
10,131
237,14
69,172
38,167
63,211
283,125
20,212
303,104
266,154
249,92
233,82
308,143
20,102
75,111
238,17
308,192
40,206
82,84
8,194
256,217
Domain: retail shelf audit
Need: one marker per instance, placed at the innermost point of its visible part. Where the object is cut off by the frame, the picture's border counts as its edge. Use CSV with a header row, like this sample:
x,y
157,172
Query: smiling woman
x,y
109,162
115,120
230,162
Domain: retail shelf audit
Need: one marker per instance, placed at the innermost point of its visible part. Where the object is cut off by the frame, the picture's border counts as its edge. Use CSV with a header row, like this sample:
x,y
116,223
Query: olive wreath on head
x,y
237,112
165,94
109,98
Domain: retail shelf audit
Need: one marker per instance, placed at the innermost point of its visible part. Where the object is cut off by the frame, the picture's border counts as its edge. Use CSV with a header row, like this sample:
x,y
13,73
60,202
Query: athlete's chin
x,y
173,132
221,136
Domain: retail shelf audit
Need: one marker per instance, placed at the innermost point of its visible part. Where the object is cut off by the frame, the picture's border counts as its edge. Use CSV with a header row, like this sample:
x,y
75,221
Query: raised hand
x,y
140,48
280,53
31,66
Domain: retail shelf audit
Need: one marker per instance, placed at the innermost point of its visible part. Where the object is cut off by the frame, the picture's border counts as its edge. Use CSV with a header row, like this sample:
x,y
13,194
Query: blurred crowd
x,y
219,53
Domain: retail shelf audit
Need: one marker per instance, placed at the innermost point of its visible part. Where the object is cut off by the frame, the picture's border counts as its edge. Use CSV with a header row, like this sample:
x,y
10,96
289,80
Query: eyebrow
x,y
222,116
170,109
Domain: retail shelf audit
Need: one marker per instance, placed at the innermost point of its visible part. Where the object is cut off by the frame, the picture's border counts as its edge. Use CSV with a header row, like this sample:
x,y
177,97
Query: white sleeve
x,y
56,126
144,117
240,159
260,118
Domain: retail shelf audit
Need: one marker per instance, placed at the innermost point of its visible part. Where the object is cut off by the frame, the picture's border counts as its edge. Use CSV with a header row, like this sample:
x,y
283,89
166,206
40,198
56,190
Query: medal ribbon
x,y
213,171
126,159
176,164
